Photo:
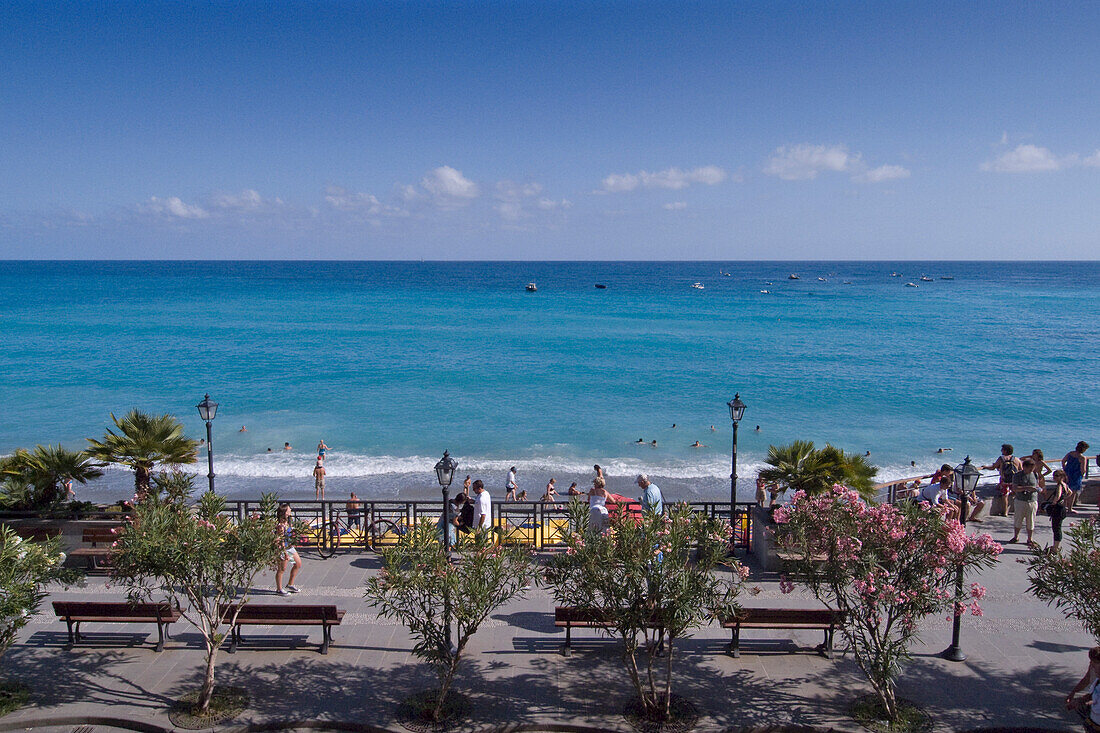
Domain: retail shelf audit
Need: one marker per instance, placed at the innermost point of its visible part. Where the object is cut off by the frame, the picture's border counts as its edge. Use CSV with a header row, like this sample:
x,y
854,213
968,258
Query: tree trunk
x,y
207,690
141,481
668,681
444,688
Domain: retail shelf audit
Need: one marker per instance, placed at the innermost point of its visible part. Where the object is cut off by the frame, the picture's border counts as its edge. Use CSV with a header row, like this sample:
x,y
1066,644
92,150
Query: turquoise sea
x,y
393,362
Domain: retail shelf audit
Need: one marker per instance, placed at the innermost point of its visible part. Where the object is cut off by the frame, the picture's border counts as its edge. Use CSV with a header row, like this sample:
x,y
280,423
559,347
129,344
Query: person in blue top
x,y
652,500
1074,465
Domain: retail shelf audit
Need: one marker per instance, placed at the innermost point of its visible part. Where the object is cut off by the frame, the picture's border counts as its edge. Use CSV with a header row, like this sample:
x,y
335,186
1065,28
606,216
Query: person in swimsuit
x,y
319,479
597,506
1074,465
322,449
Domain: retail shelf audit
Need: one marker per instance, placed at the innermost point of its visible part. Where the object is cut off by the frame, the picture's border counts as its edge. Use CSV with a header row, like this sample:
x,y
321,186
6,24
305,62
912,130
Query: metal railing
x,y
536,524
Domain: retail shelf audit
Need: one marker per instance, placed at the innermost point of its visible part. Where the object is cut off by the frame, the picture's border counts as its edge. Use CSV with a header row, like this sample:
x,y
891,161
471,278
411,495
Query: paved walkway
x,y
1023,658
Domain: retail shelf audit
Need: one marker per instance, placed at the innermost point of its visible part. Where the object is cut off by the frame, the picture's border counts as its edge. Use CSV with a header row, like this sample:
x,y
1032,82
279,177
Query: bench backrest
x,y
38,534
97,535
279,612
790,616
569,614
113,608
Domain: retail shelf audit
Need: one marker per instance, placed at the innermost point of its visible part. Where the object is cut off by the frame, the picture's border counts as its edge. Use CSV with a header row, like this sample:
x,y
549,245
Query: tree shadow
x,y
83,675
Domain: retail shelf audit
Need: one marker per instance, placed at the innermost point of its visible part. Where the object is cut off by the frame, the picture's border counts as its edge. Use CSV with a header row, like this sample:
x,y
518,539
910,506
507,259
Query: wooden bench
x,y
825,619
38,533
100,540
76,612
257,614
569,618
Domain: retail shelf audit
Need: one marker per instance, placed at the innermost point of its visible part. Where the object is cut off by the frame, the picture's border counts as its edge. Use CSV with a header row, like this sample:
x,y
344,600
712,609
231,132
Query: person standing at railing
x,y
1054,502
1073,463
483,506
1006,465
353,506
652,500
1042,470
1025,486
597,506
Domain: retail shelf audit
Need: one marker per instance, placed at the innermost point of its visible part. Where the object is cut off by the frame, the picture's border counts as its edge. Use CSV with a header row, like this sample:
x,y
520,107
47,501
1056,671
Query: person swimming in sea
x,y
286,446
243,429
697,444
654,443
639,441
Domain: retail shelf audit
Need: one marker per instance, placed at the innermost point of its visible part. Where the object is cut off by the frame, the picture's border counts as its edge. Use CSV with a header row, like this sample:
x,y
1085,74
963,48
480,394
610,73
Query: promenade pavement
x,y
1023,657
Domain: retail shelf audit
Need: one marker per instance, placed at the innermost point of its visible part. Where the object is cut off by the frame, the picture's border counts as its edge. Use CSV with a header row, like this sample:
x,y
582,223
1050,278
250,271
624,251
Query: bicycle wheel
x,y
332,534
380,534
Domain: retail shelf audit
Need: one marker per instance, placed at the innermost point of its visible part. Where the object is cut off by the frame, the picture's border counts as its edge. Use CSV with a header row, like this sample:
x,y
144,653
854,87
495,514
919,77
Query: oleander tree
x,y
886,567
170,549
36,478
800,466
654,580
26,568
443,600
1071,581
142,442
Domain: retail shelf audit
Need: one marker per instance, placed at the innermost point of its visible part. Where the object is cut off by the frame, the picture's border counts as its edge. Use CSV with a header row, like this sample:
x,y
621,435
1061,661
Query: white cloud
x,y
675,206
247,200
882,173
1028,159
804,162
1092,161
344,200
550,204
173,206
448,186
510,210
670,178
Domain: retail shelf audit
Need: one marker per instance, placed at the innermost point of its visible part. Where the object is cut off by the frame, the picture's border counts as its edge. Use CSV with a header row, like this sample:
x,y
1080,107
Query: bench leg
x,y
828,650
324,639
160,637
76,634
735,642
566,648
72,638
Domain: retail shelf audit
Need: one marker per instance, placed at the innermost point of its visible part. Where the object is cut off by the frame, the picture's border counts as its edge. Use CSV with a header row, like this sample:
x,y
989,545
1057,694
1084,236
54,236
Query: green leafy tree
x,y
1071,581
44,470
434,595
25,569
654,580
886,567
169,549
142,442
802,467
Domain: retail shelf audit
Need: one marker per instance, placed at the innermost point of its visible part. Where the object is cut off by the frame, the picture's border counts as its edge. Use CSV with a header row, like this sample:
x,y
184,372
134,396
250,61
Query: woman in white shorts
x,y
290,553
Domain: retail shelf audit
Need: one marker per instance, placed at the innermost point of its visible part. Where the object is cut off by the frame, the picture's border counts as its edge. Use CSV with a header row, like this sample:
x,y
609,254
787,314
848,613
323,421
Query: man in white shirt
x,y
483,508
510,484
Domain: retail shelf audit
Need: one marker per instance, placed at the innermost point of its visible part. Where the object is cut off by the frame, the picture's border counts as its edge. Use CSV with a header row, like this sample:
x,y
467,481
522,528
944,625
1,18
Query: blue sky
x,y
550,130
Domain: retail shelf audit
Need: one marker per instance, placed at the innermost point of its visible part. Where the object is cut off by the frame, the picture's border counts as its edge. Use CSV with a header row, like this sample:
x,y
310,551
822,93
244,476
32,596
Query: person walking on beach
x,y
1073,463
466,486
550,491
285,532
483,507
1054,501
319,478
1006,466
1088,705
597,506
510,485
1025,486
652,500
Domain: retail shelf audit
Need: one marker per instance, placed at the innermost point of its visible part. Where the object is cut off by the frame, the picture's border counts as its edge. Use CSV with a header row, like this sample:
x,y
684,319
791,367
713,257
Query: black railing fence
x,y
531,523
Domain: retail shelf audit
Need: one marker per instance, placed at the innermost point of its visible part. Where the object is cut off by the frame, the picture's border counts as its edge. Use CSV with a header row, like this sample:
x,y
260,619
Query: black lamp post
x,y
207,411
966,481
737,410
445,472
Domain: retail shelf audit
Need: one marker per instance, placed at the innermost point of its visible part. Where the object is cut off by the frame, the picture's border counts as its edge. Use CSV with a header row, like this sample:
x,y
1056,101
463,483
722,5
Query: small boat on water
x,y
766,292
601,286
697,286
767,282
847,282
925,279
531,288
911,285
822,280
793,276
895,274
947,277
726,274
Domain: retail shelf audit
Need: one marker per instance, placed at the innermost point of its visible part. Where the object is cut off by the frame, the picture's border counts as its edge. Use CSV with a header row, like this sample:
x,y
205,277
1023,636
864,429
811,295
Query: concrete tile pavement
x,y
1023,658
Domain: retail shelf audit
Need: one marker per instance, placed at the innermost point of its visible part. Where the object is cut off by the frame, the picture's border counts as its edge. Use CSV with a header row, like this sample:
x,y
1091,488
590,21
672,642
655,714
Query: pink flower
x,y
976,609
976,591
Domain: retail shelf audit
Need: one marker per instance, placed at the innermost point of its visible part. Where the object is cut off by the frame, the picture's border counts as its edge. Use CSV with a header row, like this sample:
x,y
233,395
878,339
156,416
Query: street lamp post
x,y
207,411
737,410
445,472
966,481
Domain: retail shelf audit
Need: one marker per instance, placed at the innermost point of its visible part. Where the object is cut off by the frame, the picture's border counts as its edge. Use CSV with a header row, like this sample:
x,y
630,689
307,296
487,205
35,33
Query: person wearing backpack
x,y
1007,466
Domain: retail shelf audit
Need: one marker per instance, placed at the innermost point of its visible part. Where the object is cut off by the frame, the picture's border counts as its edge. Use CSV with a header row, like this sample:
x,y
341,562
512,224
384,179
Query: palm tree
x,y
802,467
142,442
47,468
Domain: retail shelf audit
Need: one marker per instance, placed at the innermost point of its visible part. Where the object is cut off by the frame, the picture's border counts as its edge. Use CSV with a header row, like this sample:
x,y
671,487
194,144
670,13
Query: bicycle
x,y
378,534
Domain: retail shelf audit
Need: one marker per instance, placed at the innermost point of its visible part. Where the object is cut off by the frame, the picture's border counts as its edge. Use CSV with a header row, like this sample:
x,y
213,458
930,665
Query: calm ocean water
x,y
393,362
